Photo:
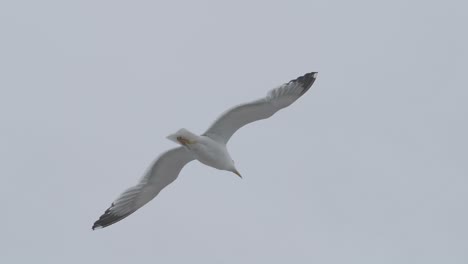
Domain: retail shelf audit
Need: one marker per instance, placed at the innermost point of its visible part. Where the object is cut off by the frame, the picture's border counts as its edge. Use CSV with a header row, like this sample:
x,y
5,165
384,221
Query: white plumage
x,y
209,148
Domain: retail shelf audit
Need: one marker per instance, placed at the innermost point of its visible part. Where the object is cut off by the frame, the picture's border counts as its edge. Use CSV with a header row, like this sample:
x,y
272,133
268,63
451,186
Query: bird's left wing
x,y
164,171
284,95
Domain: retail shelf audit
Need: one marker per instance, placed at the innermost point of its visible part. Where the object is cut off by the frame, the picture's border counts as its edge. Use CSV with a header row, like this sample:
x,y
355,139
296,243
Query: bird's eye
x,y
179,138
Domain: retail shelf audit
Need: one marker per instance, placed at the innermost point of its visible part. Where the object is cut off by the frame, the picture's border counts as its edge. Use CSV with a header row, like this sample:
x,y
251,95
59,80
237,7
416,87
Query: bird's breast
x,y
211,154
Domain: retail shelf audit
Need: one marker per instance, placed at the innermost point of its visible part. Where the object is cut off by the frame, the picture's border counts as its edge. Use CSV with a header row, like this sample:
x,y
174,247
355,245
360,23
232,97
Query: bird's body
x,y
208,148
204,149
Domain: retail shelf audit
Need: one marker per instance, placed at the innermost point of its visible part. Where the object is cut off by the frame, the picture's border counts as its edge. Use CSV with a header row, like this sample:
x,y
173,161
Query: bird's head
x,y
183,137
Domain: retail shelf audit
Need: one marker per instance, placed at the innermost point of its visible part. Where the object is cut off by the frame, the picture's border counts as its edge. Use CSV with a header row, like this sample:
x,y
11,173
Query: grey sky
x,y
368,167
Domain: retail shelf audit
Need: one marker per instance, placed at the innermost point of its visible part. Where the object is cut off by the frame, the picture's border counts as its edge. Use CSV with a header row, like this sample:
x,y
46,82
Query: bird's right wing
x,y
284,95
164,171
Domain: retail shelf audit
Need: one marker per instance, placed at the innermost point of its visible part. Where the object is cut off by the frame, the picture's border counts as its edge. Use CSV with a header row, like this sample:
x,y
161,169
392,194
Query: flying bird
x,y
208,148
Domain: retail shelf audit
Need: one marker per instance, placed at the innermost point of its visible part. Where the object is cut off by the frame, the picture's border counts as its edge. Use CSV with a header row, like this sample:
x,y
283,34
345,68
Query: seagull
x,y
208,148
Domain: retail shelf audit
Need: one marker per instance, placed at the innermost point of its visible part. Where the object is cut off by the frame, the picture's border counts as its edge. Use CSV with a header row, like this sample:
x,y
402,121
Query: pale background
x,y
368,167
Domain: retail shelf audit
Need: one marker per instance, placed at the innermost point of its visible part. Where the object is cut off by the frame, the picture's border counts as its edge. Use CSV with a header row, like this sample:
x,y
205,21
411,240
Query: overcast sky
x,y
370,166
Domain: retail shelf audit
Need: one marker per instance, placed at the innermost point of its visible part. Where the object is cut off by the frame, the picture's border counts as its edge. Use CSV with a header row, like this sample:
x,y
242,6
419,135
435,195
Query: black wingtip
x,y
109,218
306,80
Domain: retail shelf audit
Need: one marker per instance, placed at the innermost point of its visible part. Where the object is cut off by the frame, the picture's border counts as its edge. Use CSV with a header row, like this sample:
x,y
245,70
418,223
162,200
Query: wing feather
x,y
284,95
164,171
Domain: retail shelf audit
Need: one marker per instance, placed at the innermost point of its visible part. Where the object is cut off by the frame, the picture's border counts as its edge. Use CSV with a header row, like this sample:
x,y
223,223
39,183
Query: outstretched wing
x,y
233,119
164,171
